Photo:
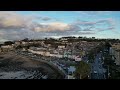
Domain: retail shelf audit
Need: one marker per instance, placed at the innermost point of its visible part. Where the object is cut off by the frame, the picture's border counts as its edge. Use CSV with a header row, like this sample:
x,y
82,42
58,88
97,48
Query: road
x,y
98,72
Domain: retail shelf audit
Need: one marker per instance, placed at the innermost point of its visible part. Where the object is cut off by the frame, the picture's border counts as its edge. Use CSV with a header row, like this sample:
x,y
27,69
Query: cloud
x,y
100,25
75,28
11,20
15,26
94,13
90,12
55,26
1,33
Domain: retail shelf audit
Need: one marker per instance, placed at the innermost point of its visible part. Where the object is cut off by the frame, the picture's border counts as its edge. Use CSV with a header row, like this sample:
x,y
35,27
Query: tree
x,y
80,37
107,45
26,39
8,43
1,45
91,55
82,70
19,47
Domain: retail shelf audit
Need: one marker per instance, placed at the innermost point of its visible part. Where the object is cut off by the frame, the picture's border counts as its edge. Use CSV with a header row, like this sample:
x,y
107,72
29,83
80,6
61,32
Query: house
x,y
56,55
48,45
61,46
78,58
6,48
41,52
115,52
117,57
24,49
71,71
0,50
24,43
67,54
17,43
63,39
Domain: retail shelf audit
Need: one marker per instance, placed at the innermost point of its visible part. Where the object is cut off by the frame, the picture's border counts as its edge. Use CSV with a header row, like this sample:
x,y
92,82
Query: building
x,y
41,52
6,48
115,52
78,58
71,71
56,55
117,57
61,46
17,43
24,43
0,50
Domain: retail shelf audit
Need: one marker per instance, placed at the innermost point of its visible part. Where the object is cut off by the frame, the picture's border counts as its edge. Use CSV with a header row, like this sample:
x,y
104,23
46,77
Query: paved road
x,y
98,72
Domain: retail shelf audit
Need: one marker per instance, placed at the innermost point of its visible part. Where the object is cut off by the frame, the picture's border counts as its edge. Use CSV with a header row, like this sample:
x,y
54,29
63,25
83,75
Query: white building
x,y
61,47
71,71
17,43
24,43
56,55
42,52
7,47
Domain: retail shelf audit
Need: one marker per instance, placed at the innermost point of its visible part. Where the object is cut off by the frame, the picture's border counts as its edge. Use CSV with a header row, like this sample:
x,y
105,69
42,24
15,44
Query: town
x,y
73,57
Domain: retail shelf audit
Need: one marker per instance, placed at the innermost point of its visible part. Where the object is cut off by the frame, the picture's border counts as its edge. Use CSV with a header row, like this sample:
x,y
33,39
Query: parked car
x,y
95,71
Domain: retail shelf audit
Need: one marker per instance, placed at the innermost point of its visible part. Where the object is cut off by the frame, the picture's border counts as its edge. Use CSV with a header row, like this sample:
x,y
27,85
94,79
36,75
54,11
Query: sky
x,y
15,25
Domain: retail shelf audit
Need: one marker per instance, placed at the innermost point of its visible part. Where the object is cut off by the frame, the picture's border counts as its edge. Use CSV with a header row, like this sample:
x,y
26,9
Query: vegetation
x,y
82,70
19,47
26,39
91,55
1,45
8,43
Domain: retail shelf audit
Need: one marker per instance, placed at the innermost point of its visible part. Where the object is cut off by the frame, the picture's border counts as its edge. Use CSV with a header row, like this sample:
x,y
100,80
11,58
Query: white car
x,y
95,71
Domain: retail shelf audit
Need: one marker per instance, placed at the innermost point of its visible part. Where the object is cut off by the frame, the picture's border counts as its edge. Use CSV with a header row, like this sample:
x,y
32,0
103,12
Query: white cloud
x,y
93,13
11,20
55,26
99,25
16,26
